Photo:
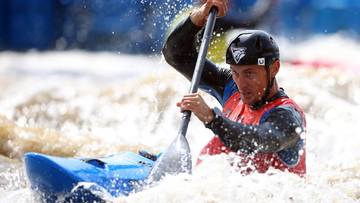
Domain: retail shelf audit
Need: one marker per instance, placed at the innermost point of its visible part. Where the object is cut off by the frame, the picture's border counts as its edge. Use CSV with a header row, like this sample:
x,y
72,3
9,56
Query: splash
x,y
98,107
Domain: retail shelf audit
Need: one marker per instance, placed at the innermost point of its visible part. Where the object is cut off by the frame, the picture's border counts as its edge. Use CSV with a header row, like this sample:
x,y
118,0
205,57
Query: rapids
x,y
95,104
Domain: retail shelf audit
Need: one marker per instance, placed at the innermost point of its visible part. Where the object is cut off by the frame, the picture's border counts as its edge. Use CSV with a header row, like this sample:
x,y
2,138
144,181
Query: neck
x,y
273,91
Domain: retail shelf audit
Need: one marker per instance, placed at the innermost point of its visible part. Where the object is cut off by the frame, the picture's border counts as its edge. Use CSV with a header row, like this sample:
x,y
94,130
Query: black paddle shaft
x,y
177,158
199,65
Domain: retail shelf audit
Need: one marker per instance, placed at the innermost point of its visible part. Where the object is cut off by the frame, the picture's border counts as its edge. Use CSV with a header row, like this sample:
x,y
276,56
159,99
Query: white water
x,y
94,104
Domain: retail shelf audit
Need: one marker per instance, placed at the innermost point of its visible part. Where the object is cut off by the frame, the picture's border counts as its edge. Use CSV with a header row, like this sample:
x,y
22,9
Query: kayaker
x,y
259,122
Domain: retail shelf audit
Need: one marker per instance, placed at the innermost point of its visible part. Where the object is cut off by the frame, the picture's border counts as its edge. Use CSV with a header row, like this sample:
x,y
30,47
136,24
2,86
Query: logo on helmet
x,y
261,61
238,53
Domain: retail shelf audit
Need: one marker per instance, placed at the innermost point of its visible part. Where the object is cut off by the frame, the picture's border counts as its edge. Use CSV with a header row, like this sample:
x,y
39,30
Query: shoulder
x,y
229,90
284,116
284,107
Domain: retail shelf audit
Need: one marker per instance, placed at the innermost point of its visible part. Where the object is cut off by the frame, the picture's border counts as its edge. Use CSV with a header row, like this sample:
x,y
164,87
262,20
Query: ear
x,y
274,68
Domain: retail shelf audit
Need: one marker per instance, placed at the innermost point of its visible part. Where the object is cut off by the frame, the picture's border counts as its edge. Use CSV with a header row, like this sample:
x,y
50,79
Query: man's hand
x,y
200,15
196,104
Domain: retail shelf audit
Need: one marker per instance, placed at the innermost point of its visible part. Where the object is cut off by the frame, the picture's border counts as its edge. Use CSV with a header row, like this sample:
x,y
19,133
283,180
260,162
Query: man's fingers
x,y
188,102
187,106
226,6
195,96
191,95
191,102
222,6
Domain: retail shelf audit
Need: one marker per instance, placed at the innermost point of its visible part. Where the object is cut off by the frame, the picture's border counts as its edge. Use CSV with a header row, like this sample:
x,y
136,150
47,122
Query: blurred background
x,y
85,78
140,26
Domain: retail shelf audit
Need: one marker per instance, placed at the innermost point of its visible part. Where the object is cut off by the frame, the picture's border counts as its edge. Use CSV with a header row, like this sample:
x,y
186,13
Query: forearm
x,y
180,52
248,139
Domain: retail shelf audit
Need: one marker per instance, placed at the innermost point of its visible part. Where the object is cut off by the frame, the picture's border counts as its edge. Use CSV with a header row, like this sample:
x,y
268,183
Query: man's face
x,y
251,81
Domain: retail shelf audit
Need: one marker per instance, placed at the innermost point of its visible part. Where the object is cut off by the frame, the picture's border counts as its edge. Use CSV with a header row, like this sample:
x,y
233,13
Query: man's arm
x,y
280,130
180,52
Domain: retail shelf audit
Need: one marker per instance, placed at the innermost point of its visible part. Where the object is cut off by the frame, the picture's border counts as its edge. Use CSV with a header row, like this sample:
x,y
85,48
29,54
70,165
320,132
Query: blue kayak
x,y
67,179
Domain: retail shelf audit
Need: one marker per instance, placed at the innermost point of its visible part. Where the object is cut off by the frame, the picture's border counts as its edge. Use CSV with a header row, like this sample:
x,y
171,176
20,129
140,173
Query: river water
x,y
95,104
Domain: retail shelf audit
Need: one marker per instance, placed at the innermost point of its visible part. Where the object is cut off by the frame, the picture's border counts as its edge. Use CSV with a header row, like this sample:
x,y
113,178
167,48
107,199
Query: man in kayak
x,y
259,122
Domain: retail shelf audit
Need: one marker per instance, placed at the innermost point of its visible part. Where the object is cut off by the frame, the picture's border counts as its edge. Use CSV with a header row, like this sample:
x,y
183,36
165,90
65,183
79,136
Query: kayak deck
x,y
59,177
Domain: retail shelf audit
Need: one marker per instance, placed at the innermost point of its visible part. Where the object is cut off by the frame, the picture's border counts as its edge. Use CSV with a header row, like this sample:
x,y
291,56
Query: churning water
x,y
96,104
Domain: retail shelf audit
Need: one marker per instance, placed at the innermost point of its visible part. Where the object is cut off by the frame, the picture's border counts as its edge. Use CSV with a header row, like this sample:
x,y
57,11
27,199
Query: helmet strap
x,y
270,83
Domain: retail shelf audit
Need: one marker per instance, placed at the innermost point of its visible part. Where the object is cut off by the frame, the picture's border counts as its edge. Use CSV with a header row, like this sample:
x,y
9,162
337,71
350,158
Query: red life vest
x,y
236,110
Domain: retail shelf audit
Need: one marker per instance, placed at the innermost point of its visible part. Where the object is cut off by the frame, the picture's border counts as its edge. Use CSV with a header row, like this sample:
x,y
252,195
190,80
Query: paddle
x,y
177,157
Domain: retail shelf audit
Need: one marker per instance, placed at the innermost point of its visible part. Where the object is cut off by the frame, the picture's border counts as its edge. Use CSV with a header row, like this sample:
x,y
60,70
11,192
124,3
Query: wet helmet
x,y
252,47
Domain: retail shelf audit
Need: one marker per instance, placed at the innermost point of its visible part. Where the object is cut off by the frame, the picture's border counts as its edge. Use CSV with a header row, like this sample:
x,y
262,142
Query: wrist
x,y
216,119
197,19
210,117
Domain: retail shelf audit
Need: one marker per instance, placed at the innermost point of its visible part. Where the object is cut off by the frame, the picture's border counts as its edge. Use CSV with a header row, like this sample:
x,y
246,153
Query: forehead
x,y
247,68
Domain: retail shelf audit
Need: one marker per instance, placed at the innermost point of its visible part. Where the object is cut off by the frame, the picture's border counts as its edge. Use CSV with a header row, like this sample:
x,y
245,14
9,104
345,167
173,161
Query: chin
x,y
250,101
247,101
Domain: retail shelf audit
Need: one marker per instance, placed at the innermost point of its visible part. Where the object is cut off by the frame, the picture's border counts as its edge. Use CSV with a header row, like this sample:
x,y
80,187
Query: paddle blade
x,y
175,159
